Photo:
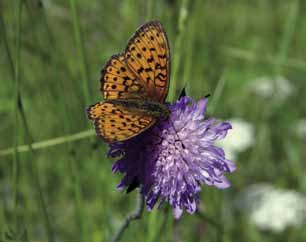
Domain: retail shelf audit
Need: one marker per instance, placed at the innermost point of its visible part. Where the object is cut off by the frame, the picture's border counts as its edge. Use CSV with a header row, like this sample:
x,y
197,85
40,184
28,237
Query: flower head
x,y
175,157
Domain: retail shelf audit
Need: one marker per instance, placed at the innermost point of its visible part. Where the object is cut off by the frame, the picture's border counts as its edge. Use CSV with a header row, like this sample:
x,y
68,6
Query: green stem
x,y
50,142
250,56
178,49
81,50
18,110
219,227
16,73
46,56
287,35
60,63
189,56
149,10
33,170
217,93
129,218
6,46
79,211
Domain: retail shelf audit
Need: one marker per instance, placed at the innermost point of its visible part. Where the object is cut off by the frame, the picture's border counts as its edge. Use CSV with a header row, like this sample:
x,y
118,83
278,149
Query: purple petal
x,y
177,212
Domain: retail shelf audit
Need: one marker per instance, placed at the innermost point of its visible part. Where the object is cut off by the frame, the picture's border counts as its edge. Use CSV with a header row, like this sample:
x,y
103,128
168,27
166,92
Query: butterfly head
x,y
165,113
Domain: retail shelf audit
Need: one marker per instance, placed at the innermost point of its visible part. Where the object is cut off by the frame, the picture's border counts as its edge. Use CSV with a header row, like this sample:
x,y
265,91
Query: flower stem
x,y
136,214
213,223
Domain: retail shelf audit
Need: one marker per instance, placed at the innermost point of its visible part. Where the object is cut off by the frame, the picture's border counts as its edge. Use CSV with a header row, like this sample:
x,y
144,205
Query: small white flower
x,y
239,138
278,87
274,209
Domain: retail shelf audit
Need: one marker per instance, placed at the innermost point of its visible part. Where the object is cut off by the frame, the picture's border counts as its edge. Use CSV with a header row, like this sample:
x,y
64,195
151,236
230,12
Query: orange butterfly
x,y
135,85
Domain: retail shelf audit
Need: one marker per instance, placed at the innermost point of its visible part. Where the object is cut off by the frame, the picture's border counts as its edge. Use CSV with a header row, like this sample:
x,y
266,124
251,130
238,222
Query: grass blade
x,y
287,35
183,14
50,142
81,50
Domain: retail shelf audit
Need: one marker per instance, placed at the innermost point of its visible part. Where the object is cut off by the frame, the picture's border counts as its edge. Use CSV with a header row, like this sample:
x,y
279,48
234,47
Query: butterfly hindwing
x,y
117,123
148,56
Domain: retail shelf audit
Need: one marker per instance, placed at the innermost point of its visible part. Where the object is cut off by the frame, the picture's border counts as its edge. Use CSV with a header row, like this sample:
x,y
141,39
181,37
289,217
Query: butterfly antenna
x,y
207,95
183,93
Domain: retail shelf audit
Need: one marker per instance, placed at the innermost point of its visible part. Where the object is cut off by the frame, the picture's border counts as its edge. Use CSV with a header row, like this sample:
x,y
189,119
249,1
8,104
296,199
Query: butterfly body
x,y
147,107
134,85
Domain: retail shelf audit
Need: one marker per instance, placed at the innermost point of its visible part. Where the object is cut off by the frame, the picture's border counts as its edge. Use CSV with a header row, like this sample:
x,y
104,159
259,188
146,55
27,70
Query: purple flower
x,y
175,157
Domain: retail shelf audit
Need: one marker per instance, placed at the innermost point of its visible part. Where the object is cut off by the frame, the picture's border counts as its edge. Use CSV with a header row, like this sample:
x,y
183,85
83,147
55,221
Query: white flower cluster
x,y
238,139
278,88
273,209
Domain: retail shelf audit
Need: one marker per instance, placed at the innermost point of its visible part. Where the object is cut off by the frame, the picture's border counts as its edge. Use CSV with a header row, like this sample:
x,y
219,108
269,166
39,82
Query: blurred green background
x,y
60,187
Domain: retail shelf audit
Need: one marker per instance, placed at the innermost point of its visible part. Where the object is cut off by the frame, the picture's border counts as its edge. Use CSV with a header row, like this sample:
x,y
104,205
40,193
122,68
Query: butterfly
x,y
134,85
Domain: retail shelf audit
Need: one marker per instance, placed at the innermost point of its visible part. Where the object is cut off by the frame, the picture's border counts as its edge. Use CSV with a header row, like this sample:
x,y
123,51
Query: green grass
x,y
55,180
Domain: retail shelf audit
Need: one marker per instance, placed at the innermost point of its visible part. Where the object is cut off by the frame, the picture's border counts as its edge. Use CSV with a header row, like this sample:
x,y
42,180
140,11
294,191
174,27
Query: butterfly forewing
x,y
117,123
148,56
119,82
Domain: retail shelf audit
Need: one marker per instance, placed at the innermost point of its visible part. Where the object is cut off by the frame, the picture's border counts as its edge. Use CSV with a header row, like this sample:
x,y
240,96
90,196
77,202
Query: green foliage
x,y
51,56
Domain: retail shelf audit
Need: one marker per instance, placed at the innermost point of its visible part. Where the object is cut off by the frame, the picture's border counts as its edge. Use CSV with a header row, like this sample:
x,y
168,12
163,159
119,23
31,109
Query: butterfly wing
x,y
148,56
117,123
142,71
119,82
